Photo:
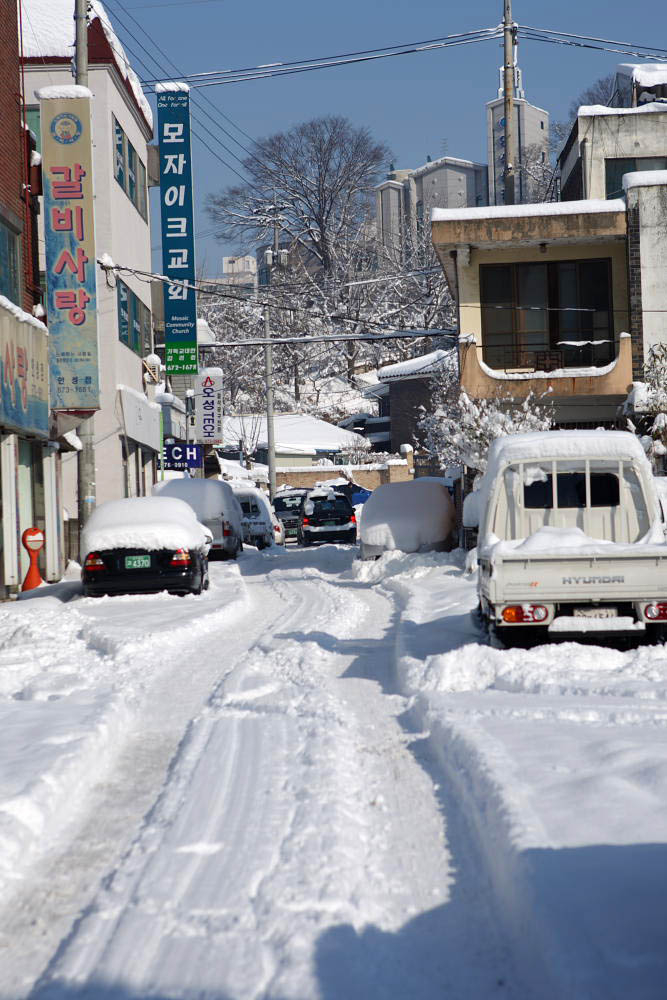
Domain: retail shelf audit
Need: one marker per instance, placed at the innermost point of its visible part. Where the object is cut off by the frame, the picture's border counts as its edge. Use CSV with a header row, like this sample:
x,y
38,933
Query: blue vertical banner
x,y
69,238
178,238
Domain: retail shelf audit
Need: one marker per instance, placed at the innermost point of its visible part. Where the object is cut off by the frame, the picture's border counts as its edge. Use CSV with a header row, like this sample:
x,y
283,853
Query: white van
x,y
257,516
215,505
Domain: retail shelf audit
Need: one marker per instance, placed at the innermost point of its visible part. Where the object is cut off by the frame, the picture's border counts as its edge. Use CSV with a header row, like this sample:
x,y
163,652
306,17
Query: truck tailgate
x,y
638,573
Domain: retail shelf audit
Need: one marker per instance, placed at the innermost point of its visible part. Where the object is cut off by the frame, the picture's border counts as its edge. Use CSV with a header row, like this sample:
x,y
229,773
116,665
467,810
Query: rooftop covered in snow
x,y
421,367
48,37
295,433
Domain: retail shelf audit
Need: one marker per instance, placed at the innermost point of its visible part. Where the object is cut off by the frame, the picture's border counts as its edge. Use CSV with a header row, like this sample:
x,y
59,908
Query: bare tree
x,y
318,176
601,91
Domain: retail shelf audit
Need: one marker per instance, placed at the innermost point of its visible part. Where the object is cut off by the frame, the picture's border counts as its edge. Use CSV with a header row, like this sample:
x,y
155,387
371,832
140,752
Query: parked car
x,y
144,545
356,494
278,529
571,538
257,516
416,516
326,516
215,505
287,506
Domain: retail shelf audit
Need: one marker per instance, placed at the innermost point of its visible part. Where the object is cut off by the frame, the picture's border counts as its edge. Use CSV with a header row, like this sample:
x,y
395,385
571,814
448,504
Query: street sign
x,y
208,408
178,457
178,245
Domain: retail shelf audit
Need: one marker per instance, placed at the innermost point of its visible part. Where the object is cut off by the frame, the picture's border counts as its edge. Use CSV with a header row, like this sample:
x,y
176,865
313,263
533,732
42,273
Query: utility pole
x,y
268,368
509,35
86,430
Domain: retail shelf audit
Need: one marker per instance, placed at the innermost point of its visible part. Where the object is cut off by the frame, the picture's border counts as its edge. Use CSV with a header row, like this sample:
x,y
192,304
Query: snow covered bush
x,y
648,403
459,432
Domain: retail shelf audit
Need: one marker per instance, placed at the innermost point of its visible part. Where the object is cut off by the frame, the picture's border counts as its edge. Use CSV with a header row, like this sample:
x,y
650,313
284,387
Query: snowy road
x,y
260,824
316,782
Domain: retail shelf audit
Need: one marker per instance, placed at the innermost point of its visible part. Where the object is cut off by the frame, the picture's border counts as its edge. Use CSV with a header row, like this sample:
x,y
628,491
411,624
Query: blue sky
x,y
413,103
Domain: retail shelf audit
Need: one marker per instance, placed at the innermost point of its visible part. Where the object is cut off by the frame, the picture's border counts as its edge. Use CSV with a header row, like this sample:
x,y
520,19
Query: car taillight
x,y
276,527
518,614
94,562
656,612
306,520
226,529
353,519
181,557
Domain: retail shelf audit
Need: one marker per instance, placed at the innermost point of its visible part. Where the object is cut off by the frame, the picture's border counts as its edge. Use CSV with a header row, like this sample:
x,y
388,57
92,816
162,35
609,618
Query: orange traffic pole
x,y
33,541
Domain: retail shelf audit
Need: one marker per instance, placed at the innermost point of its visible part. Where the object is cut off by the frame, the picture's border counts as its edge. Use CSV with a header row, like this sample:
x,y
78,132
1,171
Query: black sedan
x,y
326,516
145,545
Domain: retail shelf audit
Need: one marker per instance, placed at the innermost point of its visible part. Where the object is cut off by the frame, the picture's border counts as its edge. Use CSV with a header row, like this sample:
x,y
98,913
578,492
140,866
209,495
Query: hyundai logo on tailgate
x,y
593,579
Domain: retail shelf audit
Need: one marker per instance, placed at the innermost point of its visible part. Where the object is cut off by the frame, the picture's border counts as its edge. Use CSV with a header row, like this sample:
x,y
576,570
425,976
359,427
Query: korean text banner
x,y
69,235
208,408
24,385
178,243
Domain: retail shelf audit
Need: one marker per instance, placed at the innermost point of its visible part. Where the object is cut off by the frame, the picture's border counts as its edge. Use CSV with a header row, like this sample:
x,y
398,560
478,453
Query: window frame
x,y
135,332
12,287
126,161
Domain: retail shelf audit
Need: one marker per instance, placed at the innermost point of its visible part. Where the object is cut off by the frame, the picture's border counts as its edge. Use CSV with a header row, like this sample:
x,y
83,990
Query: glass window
x,y
123,313
572,491
136,344
119,153
32,120
145,330
141,189
131,172
615,167
10,274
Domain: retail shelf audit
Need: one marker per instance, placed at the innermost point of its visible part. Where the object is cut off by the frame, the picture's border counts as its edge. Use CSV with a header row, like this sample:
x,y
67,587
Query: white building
x,y
531,138
405,199
127,427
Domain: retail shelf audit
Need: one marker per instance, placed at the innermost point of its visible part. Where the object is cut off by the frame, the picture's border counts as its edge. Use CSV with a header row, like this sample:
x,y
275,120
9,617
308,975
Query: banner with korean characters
x,y
208,407
178,241
69,236
24,373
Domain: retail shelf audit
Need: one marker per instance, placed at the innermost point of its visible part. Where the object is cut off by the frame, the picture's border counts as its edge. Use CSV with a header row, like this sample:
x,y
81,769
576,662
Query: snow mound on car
x,y
149,523
407,516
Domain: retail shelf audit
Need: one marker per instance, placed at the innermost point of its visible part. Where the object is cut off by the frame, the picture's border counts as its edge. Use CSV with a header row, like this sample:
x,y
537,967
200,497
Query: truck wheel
x,y
656,635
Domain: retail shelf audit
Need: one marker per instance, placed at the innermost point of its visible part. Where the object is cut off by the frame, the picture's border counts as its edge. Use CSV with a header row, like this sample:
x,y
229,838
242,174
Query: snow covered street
x,y
318,781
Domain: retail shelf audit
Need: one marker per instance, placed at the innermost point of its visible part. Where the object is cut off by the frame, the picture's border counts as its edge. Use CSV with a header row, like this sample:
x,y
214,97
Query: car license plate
x,y
137,562
595,613
329,524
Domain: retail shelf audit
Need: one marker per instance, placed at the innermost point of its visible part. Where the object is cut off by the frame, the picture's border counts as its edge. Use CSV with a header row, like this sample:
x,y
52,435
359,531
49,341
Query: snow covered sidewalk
x,y
558,759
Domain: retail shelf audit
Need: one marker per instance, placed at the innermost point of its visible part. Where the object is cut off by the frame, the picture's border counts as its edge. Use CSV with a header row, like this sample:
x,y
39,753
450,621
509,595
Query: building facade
x,y
531,135
127,426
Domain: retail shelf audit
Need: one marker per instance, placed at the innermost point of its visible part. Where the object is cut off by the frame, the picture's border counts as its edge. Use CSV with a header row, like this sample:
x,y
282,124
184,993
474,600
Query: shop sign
x,y
208,408
178,457
178,243
69,236
141,417
24,385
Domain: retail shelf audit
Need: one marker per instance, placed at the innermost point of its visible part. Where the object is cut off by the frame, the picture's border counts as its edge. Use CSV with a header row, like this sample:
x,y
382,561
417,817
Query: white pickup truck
x,y
570,538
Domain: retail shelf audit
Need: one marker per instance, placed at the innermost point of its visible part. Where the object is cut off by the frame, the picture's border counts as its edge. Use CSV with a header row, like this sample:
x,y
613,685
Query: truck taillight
x,y
656,612
181,557
94,562
520,614
226,529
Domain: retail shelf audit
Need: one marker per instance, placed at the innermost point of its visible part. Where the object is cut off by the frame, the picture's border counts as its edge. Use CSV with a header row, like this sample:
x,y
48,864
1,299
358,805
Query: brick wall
x,y
16,208
370,477
406,397
635,287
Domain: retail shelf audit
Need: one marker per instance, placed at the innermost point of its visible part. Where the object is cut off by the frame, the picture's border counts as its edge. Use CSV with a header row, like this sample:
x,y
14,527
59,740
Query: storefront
x,y
29,462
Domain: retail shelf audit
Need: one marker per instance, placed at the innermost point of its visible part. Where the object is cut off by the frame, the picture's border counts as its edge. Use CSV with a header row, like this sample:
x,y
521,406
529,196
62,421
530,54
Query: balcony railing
x,y
584,355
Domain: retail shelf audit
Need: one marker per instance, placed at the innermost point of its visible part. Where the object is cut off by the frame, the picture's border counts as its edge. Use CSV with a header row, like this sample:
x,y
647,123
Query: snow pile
x,y
21,315
427,364
587,207
210,499
644,178
591,110
145,523
407,516
294,432
650,74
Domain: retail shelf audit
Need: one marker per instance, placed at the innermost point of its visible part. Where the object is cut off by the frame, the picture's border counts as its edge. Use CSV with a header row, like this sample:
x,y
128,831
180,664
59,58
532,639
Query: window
x,y
571,489
616,167
32,120
547,315
10,273
129,170
134,321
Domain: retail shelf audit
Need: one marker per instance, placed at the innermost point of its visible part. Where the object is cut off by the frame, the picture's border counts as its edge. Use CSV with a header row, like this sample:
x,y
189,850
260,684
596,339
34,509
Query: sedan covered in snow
x,y
416,516
144,545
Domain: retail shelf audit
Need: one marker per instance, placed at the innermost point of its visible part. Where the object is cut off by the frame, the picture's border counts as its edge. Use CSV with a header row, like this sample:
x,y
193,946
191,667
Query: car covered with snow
x,y
415,516
144,545
215,505
257,516
326,516
287,508
571,537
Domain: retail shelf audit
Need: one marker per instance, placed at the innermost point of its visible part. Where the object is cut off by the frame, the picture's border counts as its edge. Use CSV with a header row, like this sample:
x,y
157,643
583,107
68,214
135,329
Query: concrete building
x,y
29,453
636,84
531,136
606,143
127,427
405,199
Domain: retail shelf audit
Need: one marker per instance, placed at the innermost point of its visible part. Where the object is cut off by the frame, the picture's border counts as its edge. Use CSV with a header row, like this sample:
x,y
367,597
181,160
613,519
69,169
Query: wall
x,y
651,203
630,133
406,396
368,476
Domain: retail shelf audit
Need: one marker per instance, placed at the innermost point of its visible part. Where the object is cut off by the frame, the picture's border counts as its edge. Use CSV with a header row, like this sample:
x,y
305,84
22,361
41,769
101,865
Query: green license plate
x,y
137,562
